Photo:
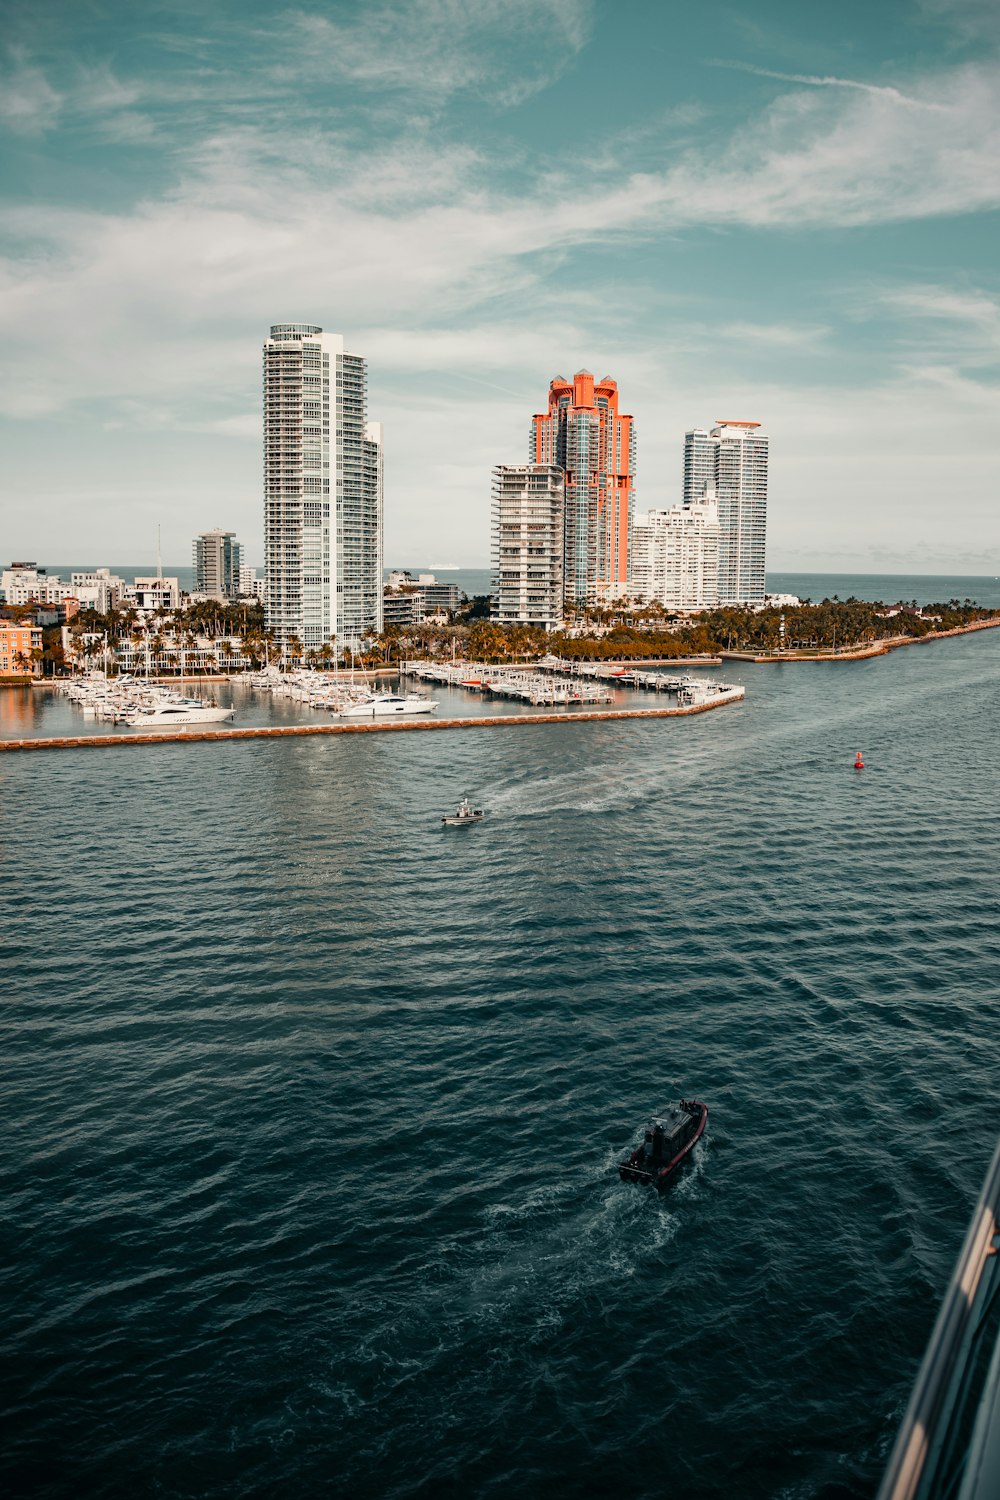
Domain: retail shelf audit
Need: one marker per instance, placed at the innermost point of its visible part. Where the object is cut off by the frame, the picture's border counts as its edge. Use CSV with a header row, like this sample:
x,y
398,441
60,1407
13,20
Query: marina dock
x,y
529,685
553,681
718,699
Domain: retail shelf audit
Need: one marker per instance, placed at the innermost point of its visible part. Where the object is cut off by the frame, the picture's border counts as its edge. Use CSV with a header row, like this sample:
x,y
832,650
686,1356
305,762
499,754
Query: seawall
x,y
412,726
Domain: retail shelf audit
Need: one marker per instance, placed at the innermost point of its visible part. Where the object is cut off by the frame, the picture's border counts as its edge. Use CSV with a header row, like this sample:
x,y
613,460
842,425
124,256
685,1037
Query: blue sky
x,y
776,212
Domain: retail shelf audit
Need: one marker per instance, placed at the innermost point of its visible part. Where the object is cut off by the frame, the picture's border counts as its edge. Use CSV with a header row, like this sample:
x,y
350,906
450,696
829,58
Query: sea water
x,y
313,1106
885,587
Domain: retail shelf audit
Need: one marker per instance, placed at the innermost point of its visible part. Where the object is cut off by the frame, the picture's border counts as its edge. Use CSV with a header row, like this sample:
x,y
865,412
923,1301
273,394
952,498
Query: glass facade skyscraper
x,y
732,459
322,491
584,434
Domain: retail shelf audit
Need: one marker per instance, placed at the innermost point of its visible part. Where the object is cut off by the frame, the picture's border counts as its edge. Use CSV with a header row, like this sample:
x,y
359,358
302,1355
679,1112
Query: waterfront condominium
x,y
584,434
217,564
675,555
732,460
528,544
322,491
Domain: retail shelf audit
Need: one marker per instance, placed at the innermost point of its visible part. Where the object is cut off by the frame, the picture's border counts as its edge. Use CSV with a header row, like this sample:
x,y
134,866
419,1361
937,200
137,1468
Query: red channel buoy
x,y
859,764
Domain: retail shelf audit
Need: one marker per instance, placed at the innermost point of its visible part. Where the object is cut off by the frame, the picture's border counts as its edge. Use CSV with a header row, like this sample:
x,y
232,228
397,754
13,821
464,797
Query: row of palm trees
x,y
620,631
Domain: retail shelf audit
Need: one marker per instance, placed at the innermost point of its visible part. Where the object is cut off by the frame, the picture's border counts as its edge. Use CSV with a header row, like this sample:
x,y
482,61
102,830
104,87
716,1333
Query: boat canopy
x,y
672,1123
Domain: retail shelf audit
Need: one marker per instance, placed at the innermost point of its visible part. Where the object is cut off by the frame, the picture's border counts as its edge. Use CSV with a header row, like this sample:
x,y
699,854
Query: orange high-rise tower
x,y
584,433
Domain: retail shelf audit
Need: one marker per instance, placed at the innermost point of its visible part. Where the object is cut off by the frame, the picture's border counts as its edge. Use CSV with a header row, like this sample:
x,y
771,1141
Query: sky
x,y
775,212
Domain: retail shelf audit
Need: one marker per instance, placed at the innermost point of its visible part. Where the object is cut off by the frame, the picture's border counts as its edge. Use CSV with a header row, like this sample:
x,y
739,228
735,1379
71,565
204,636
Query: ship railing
x,y
948,1447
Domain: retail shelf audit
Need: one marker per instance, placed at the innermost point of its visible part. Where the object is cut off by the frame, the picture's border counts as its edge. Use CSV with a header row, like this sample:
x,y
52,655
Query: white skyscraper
x,y
700,464
373,514
732,458
675,555
322,490
528,502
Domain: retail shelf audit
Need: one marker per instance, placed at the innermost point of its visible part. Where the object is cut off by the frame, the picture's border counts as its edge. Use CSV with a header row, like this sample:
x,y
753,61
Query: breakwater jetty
x,y
726,695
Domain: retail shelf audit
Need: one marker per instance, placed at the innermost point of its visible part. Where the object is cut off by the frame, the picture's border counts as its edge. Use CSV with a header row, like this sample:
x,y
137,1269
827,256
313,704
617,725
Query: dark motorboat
x,y
668,1139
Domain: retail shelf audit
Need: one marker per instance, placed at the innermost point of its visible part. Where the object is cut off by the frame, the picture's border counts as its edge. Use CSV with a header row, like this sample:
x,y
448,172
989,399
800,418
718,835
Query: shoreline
x,y
880,647
864,653
301,731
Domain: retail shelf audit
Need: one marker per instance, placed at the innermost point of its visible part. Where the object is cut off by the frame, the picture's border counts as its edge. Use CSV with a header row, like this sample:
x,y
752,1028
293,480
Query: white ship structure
x,y
387,705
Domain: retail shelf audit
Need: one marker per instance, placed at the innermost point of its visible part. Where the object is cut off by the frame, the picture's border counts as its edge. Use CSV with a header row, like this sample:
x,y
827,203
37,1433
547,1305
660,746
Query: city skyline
x,y
783,213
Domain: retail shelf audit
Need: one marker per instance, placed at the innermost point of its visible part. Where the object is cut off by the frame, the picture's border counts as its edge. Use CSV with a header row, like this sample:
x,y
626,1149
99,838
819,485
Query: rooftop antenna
x,y
159,559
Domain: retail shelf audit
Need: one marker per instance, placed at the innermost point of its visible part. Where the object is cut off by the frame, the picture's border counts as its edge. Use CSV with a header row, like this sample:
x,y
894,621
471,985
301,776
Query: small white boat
x,y
385,705
464,813
181,711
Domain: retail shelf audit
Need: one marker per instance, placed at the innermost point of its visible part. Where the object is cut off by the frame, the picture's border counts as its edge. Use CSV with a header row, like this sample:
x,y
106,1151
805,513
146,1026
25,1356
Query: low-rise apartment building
x,y
17,642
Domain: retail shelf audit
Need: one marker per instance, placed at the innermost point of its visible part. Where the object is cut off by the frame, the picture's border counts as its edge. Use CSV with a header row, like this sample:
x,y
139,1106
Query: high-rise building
x,y
584,434
371,527
322,490
528,529
701,453
675,555
732,458
217,564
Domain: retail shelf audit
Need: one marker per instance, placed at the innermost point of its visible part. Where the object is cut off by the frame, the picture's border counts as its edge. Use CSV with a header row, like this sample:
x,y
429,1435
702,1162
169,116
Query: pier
x,y
529,685
724,695
631,676
553,681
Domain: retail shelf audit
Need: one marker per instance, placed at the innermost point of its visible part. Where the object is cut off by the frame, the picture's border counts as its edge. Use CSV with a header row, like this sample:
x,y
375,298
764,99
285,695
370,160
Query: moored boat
x,y
379,705
173,712
668,1139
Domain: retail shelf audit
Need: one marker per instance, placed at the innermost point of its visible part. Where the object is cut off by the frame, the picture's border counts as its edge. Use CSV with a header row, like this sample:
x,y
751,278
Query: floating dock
x,y
722,696
553,681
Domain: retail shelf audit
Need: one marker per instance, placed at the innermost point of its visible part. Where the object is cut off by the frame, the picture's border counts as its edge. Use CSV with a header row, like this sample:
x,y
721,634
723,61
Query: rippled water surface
x,y
313,1106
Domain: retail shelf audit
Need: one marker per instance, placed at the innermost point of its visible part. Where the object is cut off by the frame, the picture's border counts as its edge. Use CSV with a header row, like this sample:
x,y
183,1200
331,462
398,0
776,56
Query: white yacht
x,y
387,705
179,711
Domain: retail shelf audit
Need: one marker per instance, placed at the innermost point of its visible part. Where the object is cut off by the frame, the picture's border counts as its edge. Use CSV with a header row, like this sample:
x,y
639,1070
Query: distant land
x,y
924,588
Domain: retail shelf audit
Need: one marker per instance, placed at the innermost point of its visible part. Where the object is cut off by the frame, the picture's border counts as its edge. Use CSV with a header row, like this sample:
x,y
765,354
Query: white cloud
x,y
412,232
28,102
824,158
506,49
773,335
814,80
966,20
962,325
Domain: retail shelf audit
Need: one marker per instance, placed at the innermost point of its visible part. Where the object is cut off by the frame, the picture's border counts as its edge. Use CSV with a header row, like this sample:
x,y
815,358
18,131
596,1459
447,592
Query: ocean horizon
x,y
891,588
